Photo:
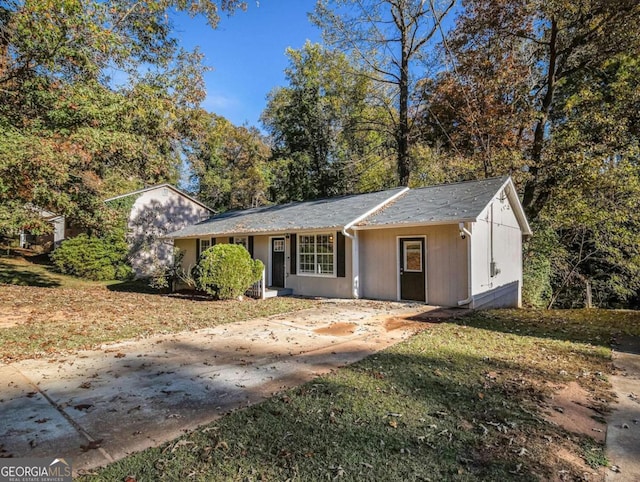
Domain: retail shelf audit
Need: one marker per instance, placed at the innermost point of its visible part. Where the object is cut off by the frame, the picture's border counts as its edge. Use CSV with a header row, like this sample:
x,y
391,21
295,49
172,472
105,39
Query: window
x,y
316,254
242,241
205,244
413,256
278,245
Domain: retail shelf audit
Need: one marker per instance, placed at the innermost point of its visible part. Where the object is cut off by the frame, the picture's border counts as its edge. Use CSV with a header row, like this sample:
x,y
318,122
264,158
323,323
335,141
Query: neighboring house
x,y
45,242
156,211
451,245
153,212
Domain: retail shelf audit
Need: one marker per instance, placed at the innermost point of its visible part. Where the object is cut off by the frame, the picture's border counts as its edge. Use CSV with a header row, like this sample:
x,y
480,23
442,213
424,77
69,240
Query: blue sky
x,y
247,53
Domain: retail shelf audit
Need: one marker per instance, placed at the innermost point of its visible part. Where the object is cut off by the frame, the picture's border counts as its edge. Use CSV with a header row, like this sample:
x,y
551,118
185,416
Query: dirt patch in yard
x,y
571,408
337,329
391,324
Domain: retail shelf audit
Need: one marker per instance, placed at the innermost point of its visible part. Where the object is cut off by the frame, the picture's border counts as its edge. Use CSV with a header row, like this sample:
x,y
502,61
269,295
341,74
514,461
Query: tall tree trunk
x,y
536,192
404,163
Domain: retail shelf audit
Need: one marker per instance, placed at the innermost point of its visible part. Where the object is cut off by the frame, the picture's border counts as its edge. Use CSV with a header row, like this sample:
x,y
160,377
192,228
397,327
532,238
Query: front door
x,y
412,269
277,262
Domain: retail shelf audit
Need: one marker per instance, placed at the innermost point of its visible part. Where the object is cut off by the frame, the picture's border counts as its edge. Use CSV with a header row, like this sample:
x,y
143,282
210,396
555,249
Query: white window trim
x,y
206,240
244,244
404,261
299,253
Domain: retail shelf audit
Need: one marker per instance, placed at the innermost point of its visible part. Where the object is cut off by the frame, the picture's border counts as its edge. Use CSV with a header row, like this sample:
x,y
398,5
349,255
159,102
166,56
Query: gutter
x,y
464,232
355,250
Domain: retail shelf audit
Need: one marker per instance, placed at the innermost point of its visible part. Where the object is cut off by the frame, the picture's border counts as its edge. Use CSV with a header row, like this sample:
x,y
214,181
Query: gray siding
x,y
446,263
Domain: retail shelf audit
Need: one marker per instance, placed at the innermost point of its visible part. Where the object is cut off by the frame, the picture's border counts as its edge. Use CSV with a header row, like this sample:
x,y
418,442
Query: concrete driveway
x,y
98,406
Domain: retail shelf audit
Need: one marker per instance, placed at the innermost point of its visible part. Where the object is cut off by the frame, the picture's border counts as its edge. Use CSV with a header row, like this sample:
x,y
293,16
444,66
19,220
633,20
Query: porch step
x,y
271,292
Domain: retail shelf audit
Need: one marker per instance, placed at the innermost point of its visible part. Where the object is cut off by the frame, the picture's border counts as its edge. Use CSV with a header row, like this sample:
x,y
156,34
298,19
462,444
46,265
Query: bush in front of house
x,y
93,258
226,271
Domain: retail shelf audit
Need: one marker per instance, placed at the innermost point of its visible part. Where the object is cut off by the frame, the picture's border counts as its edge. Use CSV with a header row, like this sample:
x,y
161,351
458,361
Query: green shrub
x,y
93,258
538,255
227,271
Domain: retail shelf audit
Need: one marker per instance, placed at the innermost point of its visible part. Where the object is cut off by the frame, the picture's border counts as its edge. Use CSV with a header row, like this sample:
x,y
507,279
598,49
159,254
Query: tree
x,y
321,144
390,37
548,91
546,46
68,135
230,165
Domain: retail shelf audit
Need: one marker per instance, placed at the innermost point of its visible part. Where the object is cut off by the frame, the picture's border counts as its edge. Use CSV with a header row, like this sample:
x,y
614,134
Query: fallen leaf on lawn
x,y
393,423
181,443
481,396
129,478
222,445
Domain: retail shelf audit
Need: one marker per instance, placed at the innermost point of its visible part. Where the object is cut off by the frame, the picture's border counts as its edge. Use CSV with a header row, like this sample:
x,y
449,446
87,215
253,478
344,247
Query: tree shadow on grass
x,y
596,327
135,286
14,274
393,416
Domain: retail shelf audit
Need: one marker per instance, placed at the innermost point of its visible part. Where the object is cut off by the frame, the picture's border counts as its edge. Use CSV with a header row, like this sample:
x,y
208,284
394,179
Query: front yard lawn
x,y
62,314
466,400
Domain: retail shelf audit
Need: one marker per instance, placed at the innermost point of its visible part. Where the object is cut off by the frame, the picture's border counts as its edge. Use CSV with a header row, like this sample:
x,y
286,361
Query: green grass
x,y
458,401
36,271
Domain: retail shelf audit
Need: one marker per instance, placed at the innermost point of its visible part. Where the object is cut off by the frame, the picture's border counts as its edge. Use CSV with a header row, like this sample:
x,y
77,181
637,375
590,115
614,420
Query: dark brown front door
x,y
412,269
277,262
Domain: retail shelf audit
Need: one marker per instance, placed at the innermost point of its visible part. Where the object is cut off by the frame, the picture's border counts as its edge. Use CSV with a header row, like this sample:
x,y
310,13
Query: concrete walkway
x,y
98,406
623,424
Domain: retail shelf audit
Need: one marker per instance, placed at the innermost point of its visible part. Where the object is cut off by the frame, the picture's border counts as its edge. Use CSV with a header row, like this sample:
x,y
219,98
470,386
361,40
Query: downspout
x,y
355,245
466,233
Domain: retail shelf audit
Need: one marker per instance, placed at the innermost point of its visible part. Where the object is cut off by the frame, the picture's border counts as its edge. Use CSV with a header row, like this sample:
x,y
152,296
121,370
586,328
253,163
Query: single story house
x,y
153,212
456,244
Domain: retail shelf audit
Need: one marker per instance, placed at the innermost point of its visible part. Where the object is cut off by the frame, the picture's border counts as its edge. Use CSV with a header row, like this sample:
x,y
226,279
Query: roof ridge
x,y
502,178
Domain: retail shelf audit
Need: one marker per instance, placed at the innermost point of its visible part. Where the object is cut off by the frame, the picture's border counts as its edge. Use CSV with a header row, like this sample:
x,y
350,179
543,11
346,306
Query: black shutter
x,y
294,253
251,245
230,239
340,256
197,250
213,241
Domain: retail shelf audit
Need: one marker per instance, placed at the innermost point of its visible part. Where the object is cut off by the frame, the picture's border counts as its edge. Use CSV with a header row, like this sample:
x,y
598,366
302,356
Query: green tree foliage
x,y
92,257
548,91
325,140
70,134
227,271
229,166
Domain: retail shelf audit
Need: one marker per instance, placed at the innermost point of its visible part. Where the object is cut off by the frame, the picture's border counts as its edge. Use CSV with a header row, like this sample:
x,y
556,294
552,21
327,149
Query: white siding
x,y
155,213
505,286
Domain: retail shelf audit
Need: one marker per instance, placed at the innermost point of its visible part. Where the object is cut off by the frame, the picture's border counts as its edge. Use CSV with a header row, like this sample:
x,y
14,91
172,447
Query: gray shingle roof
x,y
319,214
461,201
